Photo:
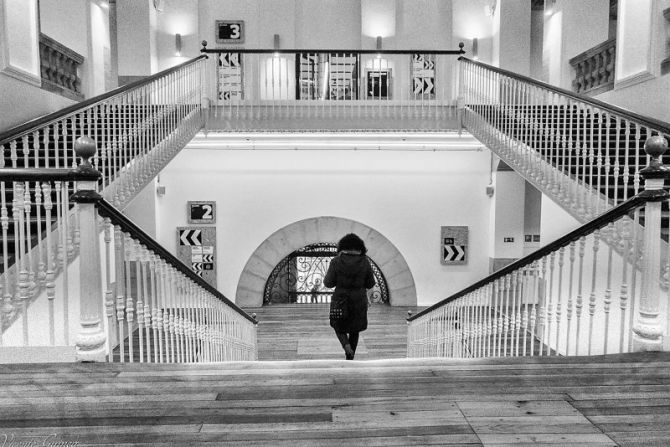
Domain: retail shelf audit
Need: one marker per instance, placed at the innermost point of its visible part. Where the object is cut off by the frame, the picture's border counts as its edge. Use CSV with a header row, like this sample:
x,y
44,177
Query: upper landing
x,y
329,116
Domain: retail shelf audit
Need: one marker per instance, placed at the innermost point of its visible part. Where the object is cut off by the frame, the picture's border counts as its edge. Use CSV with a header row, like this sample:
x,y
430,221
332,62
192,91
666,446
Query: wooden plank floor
x,y
580,401
302,332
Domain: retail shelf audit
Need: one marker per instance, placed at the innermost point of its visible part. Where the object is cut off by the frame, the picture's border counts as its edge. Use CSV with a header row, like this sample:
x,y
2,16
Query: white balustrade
x,y
138,131
597,301
132,300
583,154
307,89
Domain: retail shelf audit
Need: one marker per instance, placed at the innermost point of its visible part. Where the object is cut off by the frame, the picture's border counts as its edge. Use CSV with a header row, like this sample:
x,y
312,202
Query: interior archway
x,y
399,279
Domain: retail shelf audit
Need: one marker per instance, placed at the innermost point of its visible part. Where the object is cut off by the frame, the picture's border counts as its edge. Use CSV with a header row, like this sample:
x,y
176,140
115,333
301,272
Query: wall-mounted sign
x,y
454,245
508,239
423,76
230,77
196,247
229,31
201,212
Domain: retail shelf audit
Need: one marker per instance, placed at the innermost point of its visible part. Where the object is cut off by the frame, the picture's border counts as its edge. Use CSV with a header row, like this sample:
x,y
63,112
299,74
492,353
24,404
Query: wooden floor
x,y
604,401
302,332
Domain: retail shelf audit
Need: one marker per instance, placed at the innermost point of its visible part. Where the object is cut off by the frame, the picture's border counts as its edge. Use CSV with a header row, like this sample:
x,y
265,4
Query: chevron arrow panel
x,y
454,245
196,246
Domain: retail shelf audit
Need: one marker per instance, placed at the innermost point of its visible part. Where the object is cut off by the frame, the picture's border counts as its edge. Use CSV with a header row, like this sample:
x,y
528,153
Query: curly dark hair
x,y
352,242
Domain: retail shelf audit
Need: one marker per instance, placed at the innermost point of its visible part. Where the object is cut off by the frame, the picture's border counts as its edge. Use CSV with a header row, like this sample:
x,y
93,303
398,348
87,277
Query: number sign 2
x,y
229,31
201,212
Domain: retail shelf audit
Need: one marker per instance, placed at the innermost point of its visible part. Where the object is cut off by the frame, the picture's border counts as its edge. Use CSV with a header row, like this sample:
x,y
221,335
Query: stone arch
x,y
402,290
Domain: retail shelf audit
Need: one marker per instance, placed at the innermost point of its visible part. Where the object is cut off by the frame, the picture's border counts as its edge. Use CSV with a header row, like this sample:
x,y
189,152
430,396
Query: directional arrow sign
x,y
453,253
190,237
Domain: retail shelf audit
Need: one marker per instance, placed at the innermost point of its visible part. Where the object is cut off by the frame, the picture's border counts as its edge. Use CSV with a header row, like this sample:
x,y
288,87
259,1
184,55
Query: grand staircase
x,y
616,400
302,332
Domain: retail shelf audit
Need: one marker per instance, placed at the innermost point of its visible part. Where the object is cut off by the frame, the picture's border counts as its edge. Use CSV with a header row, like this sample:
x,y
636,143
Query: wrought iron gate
x,y
298,278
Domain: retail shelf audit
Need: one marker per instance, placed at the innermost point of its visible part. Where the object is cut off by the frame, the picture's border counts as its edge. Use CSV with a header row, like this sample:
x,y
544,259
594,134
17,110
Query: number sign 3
x,y
229,31
201,212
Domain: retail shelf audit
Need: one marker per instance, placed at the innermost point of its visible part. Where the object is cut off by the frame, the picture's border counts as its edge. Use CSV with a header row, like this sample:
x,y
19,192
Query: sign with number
x,y
201,212
229,31
454,246
196,247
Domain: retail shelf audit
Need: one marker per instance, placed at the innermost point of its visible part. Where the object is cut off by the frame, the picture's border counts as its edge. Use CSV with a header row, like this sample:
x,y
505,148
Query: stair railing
x,y
136,302
572,297
325,88
583,153
139,127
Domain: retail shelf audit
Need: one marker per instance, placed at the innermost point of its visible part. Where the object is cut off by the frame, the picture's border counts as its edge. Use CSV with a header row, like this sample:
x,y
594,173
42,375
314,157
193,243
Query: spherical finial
x,y
253,315
461,45
655,146
204,43
85,148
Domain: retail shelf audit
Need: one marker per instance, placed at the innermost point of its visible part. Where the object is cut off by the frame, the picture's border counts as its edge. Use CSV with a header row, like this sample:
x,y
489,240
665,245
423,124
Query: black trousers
x,y
351,339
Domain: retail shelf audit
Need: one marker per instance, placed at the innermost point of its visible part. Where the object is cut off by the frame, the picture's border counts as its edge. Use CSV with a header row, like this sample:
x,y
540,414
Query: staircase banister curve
x,y
106,209
599,222
37,123
657,125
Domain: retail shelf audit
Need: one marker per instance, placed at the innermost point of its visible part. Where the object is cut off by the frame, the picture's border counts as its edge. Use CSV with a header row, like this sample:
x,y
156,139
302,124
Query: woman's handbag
x,y
339,310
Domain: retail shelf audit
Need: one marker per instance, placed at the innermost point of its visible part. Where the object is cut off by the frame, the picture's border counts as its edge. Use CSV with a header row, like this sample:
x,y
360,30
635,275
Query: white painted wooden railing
x,y
583,153
127,299
139,128
317,89
38,242
576,296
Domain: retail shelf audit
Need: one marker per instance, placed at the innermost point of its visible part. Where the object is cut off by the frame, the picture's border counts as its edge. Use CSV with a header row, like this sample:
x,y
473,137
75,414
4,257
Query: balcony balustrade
x,y
331,89
60,68
594,69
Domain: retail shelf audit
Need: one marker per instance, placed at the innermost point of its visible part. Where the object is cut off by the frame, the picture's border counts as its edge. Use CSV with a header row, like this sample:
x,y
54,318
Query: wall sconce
x,y
549,7
475,49
379,46
276,45
177,43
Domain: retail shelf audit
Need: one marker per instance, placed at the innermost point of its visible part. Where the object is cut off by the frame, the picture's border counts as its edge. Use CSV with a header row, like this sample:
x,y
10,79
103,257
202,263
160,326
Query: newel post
x,y
648,327
91,339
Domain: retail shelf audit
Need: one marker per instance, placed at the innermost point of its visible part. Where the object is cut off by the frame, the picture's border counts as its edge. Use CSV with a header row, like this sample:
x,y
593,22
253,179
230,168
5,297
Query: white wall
x,y
136,38
649,97
509,221
178,17
54,13
99,56
470,21
21,98
21,102
514,36
573,28
555,221
142,209
405,196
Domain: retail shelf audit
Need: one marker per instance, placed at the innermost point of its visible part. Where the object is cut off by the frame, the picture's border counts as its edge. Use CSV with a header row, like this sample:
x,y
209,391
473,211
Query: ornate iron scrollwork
x,y
298,278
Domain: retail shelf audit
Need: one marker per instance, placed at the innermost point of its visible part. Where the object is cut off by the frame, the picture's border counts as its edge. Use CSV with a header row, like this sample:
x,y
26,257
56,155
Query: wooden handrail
x,y
655,124
37,123
50,174
106,209
589,227
206,50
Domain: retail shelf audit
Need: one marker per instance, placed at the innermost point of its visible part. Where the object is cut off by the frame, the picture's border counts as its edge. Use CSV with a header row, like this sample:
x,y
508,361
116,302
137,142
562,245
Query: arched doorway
x,y
328,229
298,278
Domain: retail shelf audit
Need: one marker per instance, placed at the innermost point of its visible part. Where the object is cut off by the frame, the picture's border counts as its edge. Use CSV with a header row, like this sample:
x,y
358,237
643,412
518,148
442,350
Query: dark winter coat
x,y
351,275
